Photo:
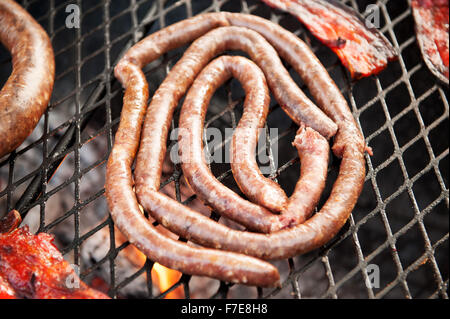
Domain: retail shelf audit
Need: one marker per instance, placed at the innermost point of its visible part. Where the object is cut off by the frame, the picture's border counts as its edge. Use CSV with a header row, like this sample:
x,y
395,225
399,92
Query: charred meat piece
x,y
363,51
431,17
32,267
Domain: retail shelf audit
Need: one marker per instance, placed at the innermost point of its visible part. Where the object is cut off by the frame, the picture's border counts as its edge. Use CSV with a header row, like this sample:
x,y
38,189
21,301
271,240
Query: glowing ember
x,y
166,278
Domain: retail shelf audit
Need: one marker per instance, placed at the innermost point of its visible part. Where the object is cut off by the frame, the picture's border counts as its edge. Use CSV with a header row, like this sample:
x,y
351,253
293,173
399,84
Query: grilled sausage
x,y
313,151
313,73
164,101
312,147
127,216
349,145
286,243
259,189
25,95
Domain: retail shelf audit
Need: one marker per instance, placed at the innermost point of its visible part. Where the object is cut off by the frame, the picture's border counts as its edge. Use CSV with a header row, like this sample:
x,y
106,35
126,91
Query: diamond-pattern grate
x,y
400,223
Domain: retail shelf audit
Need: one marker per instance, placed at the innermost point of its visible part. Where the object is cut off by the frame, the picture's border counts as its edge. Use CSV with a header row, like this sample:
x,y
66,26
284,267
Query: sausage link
x,y
317,230
25,95
295,103
313,151
292,98
259,189
164,101
127,216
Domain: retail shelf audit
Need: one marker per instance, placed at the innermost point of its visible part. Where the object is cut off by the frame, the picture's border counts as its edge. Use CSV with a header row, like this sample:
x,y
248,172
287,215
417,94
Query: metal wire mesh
x,y
400,223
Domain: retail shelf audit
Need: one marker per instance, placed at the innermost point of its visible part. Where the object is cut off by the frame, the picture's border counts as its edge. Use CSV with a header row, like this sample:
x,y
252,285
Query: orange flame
x,y
163,277
166,278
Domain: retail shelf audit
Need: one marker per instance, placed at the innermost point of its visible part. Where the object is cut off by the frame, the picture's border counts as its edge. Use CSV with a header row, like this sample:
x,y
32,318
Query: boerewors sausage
x,y
166,98
25,95
128,217
315,232
258,188
192,116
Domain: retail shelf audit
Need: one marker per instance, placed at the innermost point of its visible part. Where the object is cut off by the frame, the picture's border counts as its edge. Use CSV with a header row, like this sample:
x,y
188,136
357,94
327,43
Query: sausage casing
x,y
26,93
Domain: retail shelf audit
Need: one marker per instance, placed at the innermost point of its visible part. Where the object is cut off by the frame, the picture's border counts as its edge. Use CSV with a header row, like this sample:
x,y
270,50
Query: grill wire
x,y
399,224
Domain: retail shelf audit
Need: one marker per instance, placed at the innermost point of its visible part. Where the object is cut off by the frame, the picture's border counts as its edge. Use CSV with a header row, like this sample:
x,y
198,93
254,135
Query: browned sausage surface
x,y
128,217
313,151
25,95
166,98
259,189
349,145
315,232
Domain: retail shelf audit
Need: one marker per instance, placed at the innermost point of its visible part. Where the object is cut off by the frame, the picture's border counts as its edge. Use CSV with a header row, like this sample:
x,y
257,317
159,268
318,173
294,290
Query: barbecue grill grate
x,y
400,223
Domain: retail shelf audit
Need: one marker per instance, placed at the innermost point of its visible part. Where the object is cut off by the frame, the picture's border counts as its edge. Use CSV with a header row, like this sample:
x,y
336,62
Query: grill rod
x,y
385,86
